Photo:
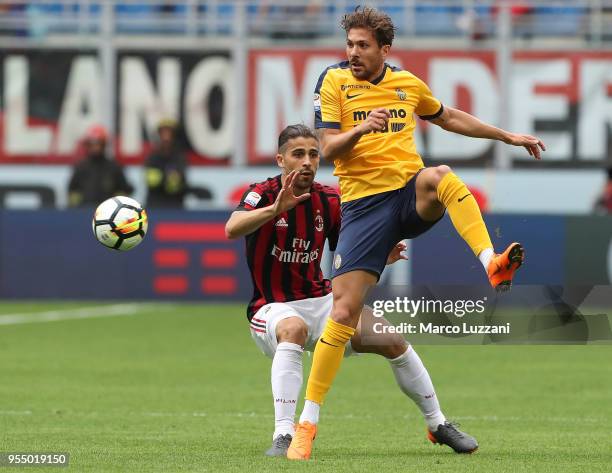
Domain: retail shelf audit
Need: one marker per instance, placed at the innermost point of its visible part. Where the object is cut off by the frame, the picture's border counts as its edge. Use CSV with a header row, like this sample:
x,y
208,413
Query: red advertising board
x,y
51,97
563,97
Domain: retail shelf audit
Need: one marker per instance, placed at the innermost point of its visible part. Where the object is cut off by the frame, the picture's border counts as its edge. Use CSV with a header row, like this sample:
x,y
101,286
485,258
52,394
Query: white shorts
x,y
314,312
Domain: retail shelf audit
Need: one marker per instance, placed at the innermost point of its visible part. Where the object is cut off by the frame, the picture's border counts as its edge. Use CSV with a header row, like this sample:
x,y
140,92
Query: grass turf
x,y
183,388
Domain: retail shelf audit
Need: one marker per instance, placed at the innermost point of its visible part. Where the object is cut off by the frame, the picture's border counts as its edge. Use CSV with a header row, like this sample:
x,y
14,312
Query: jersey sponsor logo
x,y
344,87
337,261
281,223
349,96
318,223
252,199
360,115
294,256
460,199
298,253
401,94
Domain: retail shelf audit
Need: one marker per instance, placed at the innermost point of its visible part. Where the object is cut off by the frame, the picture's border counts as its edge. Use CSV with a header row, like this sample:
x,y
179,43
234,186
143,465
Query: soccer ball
x,y
120,223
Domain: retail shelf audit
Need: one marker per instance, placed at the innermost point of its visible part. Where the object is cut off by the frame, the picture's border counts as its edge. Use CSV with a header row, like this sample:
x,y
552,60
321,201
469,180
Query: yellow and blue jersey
x,y
381,161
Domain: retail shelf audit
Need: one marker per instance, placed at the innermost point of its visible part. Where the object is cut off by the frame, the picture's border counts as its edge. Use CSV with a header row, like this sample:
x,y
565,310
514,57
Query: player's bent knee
x,y
292,330
429,179
348,296
443,169
440,172
343,318
342,314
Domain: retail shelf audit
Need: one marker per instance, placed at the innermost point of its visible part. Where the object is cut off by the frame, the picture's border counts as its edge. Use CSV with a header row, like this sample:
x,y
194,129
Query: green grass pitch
x,y
182,388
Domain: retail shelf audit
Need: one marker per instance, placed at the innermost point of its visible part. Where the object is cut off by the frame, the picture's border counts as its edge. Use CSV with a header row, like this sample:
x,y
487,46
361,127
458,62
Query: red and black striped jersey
x,y
284,255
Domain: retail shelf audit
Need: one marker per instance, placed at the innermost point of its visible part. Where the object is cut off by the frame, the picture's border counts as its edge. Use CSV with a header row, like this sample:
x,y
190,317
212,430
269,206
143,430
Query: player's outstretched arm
x,y
463,123
243,222
335,144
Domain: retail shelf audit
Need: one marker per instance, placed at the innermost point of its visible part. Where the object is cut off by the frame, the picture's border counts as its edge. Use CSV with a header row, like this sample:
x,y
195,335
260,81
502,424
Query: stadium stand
x,y
541,18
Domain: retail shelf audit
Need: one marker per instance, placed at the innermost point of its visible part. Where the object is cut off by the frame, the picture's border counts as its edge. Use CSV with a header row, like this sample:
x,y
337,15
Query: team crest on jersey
x,y
401,94
319,223
337,261
317,102
252,199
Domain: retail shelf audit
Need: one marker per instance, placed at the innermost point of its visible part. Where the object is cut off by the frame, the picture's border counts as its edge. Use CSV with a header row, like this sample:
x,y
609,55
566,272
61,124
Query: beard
x,y
361,73
365,73
304,183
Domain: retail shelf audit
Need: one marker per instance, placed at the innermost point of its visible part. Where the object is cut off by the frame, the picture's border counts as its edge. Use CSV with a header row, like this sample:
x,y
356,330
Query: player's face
x,y
366,58
301,154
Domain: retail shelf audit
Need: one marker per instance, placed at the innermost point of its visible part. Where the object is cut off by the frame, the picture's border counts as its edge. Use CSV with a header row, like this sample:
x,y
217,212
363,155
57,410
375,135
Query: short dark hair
x,y
294,131
378,22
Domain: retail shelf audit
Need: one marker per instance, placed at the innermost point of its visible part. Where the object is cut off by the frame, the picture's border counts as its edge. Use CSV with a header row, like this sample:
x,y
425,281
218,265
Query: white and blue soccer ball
x,y
120,223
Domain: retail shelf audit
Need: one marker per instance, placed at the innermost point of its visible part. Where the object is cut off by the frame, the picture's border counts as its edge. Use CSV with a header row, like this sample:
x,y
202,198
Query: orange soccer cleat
x,y
301,445
503,266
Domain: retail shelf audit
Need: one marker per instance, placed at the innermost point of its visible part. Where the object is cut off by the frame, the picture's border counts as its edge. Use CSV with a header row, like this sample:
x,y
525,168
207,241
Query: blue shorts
x,y
371,227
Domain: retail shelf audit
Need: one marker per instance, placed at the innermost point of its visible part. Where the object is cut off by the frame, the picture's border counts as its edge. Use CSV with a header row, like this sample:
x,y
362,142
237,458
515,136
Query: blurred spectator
x,y
521,15
168,8
165,169
11,13
292,19
474,24
603,205
96,177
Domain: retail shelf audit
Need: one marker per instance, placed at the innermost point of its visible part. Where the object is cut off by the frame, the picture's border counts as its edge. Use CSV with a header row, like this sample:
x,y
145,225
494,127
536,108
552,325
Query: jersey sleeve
x,y
429,107
326,103
252,198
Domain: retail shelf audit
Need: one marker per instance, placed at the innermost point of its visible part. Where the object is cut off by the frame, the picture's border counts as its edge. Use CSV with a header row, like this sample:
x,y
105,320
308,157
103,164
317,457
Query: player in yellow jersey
x,y
364,111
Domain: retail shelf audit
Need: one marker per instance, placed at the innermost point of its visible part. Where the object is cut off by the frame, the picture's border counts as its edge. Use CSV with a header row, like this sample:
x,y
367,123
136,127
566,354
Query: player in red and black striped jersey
x,y
286,220
284,254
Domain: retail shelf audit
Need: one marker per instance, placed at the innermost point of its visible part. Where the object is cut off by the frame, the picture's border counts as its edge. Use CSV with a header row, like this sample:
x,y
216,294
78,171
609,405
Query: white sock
x,y
485,257
310,412
413,379
286,386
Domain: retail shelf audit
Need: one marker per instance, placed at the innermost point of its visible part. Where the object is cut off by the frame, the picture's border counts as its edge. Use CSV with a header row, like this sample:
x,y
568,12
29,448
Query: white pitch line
x,y
580,420
15,413
112,310
490,418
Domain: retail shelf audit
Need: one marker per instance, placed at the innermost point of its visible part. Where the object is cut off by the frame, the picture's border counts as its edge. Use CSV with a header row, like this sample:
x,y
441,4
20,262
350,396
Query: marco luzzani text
x,y
410,308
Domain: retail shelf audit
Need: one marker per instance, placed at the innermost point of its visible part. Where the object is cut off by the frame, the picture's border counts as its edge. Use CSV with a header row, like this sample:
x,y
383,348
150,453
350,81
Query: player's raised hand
x,y
377,120
286,199
396,253
532,144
